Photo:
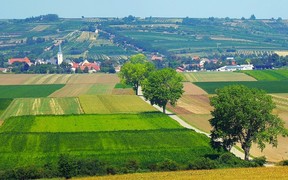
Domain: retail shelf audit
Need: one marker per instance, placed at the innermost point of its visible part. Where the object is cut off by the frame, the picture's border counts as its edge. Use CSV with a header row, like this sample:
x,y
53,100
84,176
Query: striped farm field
x,y
93,79
216,76
106,104
269,75
40,106
49,79
90,123
27,91
240,173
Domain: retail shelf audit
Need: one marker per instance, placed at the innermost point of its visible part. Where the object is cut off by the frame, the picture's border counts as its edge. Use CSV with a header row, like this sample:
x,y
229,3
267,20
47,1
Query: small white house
x,y
236,67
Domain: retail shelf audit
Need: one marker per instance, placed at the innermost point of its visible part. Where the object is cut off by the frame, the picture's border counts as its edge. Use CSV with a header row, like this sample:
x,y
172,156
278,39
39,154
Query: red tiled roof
x,y
13,60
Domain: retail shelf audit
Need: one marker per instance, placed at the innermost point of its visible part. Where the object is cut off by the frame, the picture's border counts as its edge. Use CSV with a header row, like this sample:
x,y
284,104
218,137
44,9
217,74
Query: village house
x,y
92,67
20,60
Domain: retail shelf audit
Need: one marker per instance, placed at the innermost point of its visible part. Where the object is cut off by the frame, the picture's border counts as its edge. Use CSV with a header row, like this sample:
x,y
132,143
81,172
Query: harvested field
x,y
240,173
14,79
195,110
41,106
192,89
94,78
196,104
106,104
49,79
216,77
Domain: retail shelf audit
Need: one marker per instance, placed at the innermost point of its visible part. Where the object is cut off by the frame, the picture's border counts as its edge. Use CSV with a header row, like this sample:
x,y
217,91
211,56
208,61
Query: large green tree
x,y
135,71
244,115
162,87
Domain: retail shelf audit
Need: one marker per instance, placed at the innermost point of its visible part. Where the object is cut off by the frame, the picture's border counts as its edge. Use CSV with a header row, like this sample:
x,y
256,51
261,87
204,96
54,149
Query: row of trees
x,y
159,86
241,114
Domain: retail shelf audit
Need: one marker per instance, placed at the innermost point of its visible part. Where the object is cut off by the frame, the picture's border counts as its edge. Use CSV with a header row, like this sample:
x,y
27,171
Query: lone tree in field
x,y
243,115
135,71
163,86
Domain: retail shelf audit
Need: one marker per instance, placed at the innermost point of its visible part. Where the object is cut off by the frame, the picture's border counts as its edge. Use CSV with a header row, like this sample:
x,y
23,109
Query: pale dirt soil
x,y
229,174
192,89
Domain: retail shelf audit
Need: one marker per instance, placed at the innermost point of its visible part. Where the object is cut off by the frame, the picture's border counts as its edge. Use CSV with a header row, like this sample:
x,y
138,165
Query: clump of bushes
x,y
68,166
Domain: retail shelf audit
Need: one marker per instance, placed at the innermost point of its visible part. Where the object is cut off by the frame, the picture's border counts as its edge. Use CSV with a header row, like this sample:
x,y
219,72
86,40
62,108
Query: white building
x,y
59,56
236,68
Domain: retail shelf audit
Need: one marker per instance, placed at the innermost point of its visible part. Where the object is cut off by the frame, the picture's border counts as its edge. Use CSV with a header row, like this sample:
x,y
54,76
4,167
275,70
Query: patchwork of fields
x,y
148,137
90,116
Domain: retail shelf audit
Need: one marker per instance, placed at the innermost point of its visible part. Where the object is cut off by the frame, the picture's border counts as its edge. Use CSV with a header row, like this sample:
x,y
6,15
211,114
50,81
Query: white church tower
x,y
59,56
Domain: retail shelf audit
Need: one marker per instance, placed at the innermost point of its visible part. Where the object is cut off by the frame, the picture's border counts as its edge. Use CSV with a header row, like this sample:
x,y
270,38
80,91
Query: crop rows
x,y
40,106
269,75
268,86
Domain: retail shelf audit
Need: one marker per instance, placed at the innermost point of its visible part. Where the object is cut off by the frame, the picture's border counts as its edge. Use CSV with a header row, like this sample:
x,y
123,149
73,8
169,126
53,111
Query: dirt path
x,y
235,151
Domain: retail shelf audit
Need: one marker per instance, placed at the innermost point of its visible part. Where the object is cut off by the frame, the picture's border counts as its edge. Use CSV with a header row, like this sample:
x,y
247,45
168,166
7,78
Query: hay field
x,y
93,78
216,77
107,104
192,89
42,106
49,79
229,174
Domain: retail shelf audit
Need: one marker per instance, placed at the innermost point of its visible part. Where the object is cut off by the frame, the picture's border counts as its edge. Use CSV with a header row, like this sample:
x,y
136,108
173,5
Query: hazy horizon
x,y
15,9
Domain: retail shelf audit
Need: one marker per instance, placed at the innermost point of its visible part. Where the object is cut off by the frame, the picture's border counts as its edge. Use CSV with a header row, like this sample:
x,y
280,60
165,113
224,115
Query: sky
x,y
262,9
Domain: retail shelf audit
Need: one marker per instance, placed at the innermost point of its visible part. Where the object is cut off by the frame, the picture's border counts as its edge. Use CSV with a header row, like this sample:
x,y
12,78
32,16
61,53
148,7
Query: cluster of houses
x,y
200,62
91,67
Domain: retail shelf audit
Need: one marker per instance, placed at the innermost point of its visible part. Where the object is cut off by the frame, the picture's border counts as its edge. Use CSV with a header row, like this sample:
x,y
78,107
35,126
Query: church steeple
x,y
60,51
60,55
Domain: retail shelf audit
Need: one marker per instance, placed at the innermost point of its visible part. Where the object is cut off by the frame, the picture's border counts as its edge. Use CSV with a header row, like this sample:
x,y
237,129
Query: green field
x,y
269,75
4,103
215,76
40,106
27,141
268,86
89,123
27,91
106,104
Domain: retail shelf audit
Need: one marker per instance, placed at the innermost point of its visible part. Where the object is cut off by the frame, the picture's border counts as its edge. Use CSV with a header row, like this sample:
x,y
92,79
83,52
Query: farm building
x,y
236,67
21,60
93,67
